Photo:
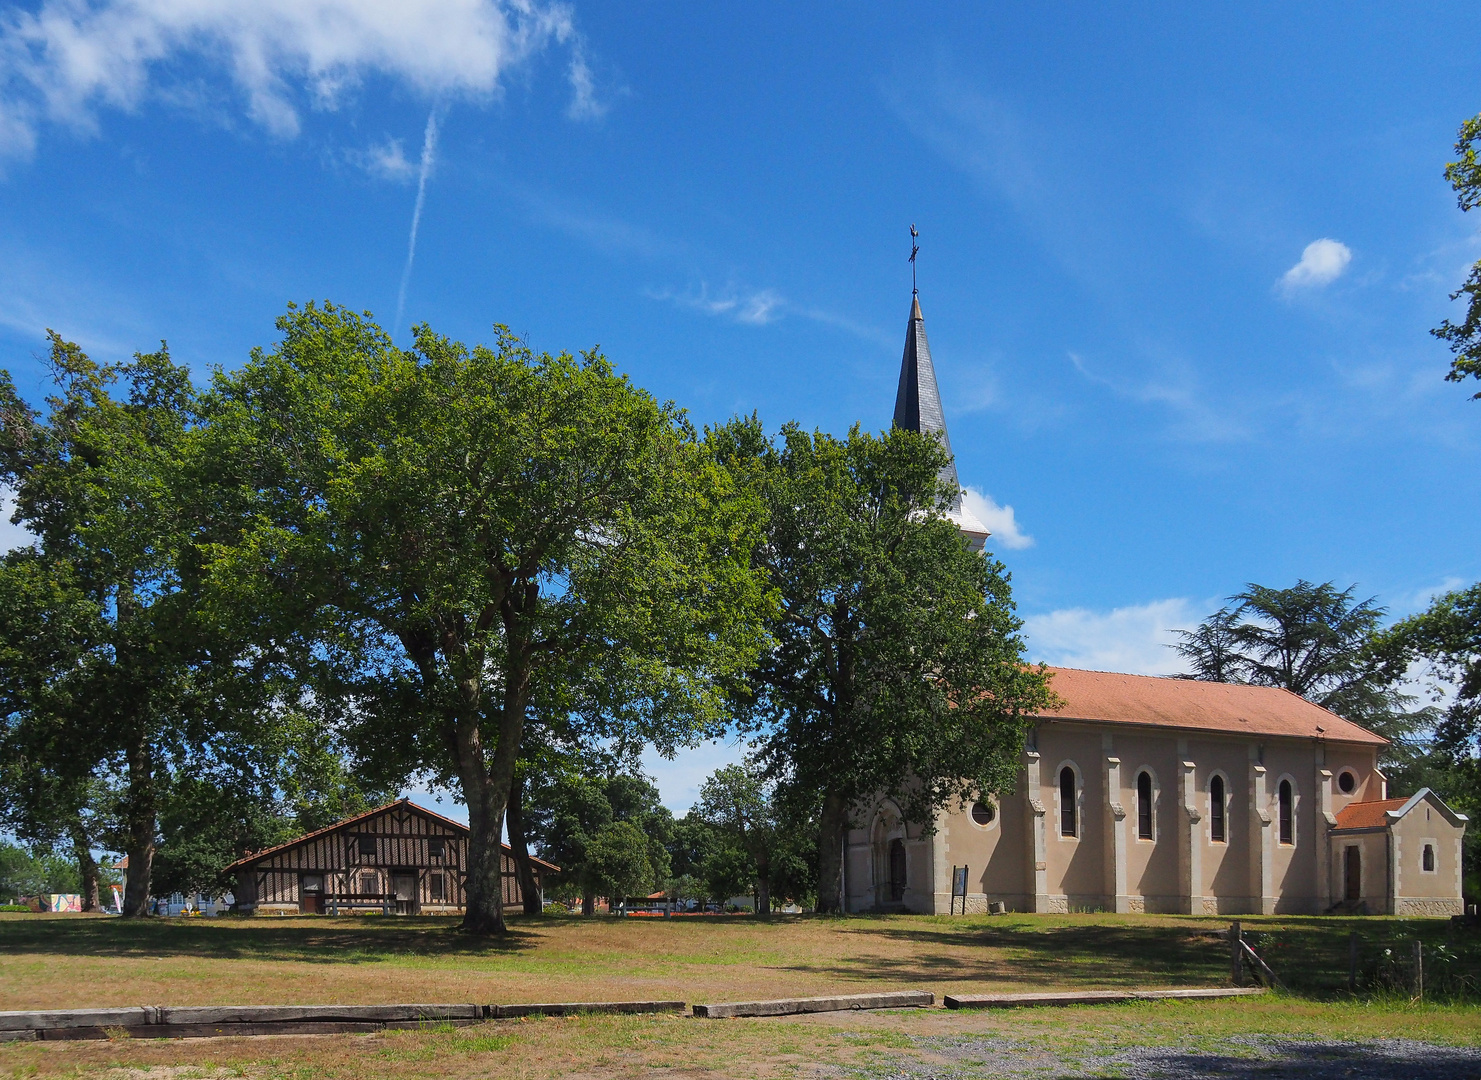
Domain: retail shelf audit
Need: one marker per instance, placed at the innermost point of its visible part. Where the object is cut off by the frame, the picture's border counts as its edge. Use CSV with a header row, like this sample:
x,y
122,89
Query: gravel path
x,y
958,1057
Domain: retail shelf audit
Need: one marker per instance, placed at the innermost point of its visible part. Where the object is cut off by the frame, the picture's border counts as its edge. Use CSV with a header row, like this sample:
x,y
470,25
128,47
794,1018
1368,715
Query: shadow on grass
x,y
346,940
1060,956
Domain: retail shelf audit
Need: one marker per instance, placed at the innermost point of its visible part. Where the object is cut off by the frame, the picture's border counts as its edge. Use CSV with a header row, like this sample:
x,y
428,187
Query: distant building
x,y
1145,794
396,859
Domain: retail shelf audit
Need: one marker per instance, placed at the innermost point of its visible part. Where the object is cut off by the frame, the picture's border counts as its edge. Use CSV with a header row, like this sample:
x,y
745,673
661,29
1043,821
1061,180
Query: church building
x,y
1161,794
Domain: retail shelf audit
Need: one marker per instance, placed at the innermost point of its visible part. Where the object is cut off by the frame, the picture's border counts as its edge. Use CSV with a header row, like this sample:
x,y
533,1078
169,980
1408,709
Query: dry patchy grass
x,y
70,961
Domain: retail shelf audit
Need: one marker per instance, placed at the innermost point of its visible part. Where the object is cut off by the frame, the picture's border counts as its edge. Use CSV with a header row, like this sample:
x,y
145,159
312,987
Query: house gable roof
x,y
1191,705
456,826
1383,812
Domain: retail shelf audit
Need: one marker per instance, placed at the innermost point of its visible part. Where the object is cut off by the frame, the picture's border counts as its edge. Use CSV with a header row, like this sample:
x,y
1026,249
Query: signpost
x,y
958,888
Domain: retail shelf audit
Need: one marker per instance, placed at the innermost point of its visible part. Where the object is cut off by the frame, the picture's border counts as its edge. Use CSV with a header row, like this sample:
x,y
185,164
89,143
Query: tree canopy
x,y
461,534
897,667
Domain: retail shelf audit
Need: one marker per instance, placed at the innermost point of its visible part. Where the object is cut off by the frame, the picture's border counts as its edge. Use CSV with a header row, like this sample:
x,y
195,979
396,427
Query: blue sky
x,y
1178,264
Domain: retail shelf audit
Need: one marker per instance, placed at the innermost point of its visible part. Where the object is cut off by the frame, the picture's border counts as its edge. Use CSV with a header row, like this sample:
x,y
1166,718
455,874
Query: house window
x,y
436,848
1287,813
366,846
1069,824
1144,805
1347,782
437,887
983,812
1427,859
1217,827
368,884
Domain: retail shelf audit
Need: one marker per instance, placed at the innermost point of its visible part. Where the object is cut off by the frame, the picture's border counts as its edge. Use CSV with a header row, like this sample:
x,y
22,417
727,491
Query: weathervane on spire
x,y
914,251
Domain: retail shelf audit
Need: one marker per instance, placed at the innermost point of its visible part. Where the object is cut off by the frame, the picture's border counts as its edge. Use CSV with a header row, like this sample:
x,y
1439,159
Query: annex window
x,y
437,886
1427,859
1218,827
365,845
1347,782
1144,805
983,812
436,847
368,884
1287,799
1069,823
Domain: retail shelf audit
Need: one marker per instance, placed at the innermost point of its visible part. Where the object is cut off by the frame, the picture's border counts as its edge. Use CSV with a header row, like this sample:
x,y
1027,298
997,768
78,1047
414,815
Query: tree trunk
x,y
529,885
763,885
832,827
483,901
588,903
140,821
88,865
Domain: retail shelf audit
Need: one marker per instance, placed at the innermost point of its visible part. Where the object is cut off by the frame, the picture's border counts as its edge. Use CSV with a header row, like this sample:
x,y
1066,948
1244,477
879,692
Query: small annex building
x,y
396,859
1160,794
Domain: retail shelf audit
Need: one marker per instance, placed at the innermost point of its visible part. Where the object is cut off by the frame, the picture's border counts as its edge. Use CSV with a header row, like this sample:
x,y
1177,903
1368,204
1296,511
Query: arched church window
x,y
1218,828
1144,805
1287,813
1069,824
1427,860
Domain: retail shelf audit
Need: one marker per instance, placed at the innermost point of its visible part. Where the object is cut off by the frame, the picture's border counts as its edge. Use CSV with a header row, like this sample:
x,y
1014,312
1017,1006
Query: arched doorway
x,y
897,870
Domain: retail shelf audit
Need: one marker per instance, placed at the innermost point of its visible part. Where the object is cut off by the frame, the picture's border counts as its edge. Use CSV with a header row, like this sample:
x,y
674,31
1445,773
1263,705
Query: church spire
x,y
918,405
918,400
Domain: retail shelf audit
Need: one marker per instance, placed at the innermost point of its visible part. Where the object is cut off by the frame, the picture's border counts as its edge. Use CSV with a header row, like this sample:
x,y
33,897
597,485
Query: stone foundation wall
x,y
1428,906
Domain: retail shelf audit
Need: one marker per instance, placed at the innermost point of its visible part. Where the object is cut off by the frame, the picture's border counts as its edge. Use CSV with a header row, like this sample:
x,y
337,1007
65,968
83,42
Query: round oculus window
x,y
1347,783
984,812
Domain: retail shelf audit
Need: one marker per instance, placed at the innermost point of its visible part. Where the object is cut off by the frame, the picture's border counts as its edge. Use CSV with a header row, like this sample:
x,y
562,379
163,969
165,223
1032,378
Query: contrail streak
x,y
429,156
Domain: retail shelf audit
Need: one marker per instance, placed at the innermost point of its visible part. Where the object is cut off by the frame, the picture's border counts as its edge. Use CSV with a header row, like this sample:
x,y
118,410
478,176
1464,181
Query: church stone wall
x,y
1108,865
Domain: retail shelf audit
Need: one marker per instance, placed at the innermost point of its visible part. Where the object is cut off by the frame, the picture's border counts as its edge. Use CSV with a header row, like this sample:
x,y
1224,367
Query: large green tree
x,y
101,479
1322,643
1464,337
897,666
462,533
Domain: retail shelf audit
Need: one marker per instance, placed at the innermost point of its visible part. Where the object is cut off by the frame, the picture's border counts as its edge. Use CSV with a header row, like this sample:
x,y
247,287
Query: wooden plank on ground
x,y
270,1014
214,1031
568,1008
899,999
60,1018
1087,997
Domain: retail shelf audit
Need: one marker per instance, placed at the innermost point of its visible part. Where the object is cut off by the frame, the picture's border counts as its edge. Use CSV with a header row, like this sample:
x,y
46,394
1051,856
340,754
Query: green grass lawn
x,y
57,962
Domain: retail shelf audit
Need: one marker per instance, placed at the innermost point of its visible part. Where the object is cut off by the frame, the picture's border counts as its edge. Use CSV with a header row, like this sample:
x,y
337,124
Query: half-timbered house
x,y
396,859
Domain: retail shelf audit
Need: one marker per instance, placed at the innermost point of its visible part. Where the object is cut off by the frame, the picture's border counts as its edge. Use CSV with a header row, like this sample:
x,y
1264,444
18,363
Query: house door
x,y
404,885
311,894
897,869
1352,874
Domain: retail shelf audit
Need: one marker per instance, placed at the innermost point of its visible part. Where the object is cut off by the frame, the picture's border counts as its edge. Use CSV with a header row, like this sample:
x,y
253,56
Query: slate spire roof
x,y
918,408
918,400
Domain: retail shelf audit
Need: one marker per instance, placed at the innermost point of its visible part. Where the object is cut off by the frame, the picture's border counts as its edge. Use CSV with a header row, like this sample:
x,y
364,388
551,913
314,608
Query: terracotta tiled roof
x,y
457,826
1367,815
1190,705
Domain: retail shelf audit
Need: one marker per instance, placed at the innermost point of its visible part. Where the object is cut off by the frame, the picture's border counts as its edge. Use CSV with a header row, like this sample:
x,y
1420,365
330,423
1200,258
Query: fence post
x,y
1418,970
1236,953
1352,963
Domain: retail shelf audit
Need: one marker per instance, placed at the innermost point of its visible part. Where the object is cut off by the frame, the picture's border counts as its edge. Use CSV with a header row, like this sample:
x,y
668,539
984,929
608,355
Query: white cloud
x,y
67,59
1322,262
1132,639
755,307
385,161
998,519
584,104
